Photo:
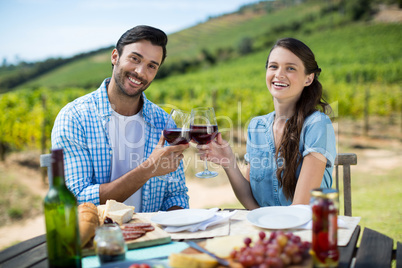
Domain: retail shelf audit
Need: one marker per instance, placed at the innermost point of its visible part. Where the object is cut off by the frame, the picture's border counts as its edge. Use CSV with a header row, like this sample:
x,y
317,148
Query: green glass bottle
x,y
61,216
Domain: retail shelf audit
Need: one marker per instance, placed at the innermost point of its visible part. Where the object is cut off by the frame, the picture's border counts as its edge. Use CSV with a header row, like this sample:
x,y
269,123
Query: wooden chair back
x,y
46,161
345,160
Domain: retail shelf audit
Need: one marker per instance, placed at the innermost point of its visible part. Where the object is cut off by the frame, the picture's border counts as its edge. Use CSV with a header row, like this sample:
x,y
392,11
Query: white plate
x,y
279,217
183,217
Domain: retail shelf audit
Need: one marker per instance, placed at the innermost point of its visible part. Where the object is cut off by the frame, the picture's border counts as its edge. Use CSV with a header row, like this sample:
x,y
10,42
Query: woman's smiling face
x,y
286,76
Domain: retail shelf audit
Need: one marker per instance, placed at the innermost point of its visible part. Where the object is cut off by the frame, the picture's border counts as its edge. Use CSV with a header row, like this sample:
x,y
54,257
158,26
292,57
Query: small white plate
x,y
279,217
183,217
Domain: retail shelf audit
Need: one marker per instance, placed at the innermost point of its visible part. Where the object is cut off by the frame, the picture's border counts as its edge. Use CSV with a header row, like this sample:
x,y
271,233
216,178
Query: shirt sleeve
x,y
176,194
68,134
319,137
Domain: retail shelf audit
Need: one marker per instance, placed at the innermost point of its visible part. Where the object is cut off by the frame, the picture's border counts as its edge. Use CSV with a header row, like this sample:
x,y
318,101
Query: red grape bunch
x,y
279,250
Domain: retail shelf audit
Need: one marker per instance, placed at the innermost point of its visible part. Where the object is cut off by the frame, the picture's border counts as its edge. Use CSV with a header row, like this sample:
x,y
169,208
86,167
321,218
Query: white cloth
x,y
127,136
219,217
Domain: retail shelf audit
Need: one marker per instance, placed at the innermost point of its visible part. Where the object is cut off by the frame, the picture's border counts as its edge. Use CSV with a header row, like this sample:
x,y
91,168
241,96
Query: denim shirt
x,y
317,135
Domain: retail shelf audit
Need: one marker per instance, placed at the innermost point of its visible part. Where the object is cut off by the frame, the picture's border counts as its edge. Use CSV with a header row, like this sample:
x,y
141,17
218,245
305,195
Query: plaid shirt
x,y
80,129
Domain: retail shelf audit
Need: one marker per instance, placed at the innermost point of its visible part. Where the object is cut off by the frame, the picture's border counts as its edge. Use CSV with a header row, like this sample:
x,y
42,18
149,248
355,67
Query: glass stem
x,y
206,166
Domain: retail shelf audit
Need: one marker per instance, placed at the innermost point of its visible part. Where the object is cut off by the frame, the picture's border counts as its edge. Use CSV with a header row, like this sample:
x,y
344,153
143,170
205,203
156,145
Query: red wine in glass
x,y
203,134
203,129
176,136
176,132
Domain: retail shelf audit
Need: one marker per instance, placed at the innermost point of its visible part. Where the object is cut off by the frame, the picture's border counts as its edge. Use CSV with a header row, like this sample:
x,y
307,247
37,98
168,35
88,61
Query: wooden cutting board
x,y
152,238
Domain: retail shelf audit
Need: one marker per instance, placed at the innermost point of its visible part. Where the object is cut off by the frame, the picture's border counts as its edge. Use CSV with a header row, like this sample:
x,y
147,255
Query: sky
x,y
34,30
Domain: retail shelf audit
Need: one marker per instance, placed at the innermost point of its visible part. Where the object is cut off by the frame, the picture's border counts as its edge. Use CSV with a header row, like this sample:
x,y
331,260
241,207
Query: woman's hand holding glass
x,y
203,129
218,152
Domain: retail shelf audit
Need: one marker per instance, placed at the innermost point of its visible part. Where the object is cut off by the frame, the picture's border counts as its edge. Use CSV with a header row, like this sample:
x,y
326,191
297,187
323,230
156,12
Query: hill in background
x,y
253,28
221,63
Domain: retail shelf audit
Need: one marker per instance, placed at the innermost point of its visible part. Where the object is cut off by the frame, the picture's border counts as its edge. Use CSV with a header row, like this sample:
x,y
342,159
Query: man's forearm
x,y
123,187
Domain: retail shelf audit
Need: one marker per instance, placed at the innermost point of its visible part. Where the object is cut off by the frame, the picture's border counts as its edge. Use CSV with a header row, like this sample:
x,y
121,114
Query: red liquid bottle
x,y
324,205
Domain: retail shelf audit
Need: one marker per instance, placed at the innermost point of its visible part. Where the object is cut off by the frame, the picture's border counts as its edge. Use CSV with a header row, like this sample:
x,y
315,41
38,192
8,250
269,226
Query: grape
x,y
278,250
297,258
261,235
272,236
282,240
259,260
259,250
272,252
289,235
295,239
108,220
285,259
247,241
290,249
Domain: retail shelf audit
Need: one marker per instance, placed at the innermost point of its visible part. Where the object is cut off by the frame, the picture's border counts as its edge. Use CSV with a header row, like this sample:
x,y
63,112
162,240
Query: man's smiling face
x,y
136,67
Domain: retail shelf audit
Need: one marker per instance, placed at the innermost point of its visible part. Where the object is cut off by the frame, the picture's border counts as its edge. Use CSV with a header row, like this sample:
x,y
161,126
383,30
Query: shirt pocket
x,y
260,162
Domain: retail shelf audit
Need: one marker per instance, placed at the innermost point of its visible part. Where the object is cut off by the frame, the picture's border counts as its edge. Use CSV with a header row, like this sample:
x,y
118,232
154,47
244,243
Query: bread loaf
x,y
88,220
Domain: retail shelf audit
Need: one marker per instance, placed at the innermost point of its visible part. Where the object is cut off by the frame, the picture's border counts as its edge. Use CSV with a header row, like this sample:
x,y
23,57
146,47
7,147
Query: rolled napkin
x,y
219,217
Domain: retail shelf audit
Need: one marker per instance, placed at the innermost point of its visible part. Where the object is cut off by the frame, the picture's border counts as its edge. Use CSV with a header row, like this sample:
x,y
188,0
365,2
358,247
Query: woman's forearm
x,y
241,187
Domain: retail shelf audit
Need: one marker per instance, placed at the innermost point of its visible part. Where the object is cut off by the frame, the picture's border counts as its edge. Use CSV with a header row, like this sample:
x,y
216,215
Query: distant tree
x,y
207,56
358,9
246,46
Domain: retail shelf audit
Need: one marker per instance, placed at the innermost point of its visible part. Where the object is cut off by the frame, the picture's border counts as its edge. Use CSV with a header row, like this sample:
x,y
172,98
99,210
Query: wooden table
x,y
376,250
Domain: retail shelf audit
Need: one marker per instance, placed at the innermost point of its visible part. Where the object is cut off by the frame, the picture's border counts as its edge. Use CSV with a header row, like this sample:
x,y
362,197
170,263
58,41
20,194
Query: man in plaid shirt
x,y
112,138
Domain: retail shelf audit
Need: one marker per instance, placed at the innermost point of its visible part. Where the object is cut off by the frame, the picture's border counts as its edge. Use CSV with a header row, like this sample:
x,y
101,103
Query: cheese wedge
x,y
101,213
121,216
113,205
116,211
182,260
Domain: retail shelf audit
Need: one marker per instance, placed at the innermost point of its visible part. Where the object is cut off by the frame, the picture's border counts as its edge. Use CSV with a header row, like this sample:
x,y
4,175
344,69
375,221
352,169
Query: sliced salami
x,y
131,236
136,225
149,229
133,231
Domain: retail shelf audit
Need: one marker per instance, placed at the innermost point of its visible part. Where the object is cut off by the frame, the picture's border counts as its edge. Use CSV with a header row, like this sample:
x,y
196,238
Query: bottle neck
x,y
58,168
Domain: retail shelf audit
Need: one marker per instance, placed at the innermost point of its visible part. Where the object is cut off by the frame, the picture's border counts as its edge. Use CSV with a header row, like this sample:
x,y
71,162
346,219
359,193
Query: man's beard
x,y
120,78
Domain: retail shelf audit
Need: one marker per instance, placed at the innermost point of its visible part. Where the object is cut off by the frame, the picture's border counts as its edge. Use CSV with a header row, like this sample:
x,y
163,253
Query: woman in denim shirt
x,y
290,150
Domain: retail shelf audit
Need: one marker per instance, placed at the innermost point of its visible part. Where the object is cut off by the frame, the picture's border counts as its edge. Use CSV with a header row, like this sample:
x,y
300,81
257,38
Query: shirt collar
x,y
105,109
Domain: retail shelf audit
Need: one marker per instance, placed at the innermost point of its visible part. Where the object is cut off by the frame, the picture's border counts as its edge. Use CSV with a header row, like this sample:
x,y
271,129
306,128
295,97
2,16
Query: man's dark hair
x,y
143,32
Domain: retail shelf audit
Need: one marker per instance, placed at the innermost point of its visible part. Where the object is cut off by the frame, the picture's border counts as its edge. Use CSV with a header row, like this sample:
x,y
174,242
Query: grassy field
x,y
377,199
17,202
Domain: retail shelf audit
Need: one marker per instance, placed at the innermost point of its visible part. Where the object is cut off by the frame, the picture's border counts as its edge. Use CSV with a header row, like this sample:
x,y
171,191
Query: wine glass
x,y
203,129
176,131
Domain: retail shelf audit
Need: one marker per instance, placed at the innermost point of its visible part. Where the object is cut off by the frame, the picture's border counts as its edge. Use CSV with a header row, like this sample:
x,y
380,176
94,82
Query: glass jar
x,y
109,243
324,204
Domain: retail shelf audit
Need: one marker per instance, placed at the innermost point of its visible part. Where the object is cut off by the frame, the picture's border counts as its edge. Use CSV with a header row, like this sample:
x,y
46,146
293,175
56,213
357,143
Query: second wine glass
x,y
176,131
203,129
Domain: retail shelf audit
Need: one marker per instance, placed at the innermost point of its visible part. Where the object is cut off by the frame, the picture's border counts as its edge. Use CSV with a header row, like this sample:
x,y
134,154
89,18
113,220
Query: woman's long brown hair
x,y
310,101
